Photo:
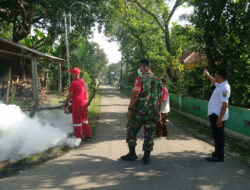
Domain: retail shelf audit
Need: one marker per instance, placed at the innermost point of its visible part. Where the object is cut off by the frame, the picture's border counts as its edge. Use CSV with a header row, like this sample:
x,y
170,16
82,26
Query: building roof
x,y
192,57
193,60
15,52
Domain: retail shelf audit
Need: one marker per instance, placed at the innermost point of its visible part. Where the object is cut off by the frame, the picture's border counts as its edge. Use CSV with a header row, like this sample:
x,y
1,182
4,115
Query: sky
x,y
111,49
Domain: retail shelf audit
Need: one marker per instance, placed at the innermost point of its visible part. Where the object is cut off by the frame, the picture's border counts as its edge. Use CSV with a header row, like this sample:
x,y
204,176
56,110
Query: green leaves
x,y
39,34
35,41
28,42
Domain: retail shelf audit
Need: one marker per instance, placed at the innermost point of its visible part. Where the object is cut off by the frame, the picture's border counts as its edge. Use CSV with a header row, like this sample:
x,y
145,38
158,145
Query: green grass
x,y
21,104
54,100
232,147
94,109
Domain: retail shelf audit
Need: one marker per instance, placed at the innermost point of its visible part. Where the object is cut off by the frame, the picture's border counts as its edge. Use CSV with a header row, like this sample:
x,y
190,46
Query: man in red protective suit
x,y
78,94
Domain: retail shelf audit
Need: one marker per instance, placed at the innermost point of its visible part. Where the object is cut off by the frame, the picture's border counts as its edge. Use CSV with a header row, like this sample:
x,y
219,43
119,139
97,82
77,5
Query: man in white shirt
x,y
218,112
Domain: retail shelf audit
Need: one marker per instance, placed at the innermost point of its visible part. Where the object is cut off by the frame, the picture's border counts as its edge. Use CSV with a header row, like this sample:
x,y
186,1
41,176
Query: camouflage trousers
x,y
133,127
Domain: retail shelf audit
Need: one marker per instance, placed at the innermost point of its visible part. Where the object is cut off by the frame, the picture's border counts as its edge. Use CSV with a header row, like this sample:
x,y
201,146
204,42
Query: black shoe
x,y
131,156
214,159
146,158
88,139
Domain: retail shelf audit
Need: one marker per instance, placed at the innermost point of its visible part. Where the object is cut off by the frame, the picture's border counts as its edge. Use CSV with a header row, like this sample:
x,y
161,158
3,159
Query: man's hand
x,y
69,97
205,73
128,114
219,123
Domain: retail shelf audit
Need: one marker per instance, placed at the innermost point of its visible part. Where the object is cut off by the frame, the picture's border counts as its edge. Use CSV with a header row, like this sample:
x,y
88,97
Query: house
x,y
194,60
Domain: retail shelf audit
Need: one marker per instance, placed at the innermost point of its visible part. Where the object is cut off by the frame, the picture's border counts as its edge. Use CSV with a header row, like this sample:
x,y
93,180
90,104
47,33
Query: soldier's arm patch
x,y
136,89
137,86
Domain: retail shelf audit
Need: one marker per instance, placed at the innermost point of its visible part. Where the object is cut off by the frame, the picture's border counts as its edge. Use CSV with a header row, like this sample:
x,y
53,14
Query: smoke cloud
x,y
21,136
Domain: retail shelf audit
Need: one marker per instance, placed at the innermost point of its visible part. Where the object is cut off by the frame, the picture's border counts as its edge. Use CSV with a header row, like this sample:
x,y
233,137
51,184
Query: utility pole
x,y
67,44
66,34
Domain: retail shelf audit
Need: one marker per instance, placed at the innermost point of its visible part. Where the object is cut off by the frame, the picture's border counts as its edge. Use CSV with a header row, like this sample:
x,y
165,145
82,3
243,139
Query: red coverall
x,y
79,108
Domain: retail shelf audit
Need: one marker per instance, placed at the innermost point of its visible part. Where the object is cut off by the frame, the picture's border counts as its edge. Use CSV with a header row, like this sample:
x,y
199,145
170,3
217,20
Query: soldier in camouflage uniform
x,y
143,111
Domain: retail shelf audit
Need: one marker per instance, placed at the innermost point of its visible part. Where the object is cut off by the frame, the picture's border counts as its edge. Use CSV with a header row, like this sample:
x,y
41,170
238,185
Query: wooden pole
x,y
14,90
67,45
8,85
59,79
34,81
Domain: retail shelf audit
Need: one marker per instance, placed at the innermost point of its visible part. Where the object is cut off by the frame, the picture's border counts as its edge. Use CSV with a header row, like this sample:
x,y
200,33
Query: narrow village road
x,y
177,161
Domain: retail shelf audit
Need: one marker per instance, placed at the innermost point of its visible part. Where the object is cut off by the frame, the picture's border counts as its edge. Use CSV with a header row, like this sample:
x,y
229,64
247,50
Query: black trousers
x,y
218,135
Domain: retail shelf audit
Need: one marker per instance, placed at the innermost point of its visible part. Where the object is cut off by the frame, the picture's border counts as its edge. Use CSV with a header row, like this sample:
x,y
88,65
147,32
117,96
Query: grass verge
x,y
93,111
9,168
232,148
21,104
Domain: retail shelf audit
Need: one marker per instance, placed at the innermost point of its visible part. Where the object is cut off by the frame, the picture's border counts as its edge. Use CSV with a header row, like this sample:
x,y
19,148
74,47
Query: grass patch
x,y
54,100
232,147
21,104
94,109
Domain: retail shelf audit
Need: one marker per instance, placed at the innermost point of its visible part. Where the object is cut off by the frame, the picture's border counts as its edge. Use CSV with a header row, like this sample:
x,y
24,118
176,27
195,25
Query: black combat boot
x,y
146,158
131,156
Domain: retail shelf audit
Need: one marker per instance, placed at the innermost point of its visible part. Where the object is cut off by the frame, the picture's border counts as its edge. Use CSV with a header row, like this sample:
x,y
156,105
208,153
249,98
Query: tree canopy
x,y
22,15
217,29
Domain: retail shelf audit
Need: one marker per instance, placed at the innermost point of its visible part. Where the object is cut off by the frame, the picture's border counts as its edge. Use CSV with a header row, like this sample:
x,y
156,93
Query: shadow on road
x,y
163,173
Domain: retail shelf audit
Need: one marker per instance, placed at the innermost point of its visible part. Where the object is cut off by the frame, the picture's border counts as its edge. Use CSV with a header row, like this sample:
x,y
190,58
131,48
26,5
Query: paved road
x,y
177,162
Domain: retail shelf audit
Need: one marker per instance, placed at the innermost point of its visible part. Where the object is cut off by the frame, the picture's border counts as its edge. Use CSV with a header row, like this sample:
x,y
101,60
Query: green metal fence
x,y
239,118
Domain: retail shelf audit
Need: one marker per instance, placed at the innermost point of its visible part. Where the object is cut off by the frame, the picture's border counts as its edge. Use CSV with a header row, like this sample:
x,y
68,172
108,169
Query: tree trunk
x,y
209,50
167,40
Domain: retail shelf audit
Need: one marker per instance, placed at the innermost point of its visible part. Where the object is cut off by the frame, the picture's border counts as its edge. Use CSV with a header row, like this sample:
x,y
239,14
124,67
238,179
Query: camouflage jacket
x,y
149,98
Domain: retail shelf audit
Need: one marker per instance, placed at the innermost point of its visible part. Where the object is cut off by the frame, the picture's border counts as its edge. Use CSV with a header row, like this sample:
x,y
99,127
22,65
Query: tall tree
x,y
162,15
48,15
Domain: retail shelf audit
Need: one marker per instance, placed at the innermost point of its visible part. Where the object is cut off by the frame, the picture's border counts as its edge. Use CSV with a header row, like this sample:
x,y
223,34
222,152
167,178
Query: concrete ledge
x,y
243,139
